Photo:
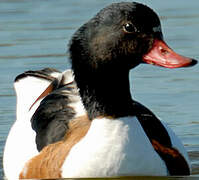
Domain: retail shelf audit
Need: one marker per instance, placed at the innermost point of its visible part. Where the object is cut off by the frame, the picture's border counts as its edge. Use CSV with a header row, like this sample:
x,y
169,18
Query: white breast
x,y
112,148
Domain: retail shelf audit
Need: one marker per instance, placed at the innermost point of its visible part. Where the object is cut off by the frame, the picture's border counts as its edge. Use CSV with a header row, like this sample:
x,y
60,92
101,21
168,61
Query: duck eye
x,y
129,28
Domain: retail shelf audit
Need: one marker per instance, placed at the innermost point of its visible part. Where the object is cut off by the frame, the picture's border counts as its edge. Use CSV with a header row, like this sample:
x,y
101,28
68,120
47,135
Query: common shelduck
x,y
90,126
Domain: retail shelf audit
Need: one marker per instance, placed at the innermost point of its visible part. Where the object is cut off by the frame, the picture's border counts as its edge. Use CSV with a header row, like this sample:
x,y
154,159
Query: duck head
x,y
123,35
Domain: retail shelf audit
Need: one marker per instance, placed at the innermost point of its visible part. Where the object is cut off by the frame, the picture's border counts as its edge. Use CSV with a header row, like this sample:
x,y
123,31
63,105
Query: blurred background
x,y
34,34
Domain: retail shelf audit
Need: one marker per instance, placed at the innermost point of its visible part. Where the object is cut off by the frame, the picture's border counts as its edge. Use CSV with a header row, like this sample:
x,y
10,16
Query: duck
x,y
85,122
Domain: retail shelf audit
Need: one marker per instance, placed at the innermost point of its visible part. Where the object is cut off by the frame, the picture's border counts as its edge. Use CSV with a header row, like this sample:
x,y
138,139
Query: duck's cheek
x,y
162,55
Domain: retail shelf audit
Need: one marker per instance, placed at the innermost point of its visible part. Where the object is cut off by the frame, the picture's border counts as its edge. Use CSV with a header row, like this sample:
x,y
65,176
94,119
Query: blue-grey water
x,y
34,34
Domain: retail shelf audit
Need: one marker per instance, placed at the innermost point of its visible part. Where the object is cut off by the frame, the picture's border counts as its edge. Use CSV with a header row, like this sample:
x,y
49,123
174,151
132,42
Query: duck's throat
x,y
106,94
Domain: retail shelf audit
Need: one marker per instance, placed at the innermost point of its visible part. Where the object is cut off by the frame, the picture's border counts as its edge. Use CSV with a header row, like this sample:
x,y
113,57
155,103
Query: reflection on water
x,y
34,34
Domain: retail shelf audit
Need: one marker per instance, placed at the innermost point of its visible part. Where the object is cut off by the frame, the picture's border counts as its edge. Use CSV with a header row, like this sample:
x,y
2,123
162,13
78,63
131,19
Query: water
x,y
34,34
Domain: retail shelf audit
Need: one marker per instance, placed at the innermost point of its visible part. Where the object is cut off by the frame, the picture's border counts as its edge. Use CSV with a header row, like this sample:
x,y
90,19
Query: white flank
x,y
113,148
20,145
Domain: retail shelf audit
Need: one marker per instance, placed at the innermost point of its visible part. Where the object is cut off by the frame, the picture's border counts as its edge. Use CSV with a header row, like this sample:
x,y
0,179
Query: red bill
x,y
162,55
